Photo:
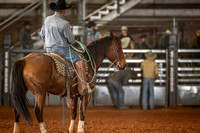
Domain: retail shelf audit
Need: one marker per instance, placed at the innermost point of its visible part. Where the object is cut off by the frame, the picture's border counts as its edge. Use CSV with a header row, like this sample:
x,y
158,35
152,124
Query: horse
x,y
37,72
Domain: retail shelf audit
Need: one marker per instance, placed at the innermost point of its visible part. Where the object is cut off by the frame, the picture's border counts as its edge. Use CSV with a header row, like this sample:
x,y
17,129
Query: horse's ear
x,y
112,34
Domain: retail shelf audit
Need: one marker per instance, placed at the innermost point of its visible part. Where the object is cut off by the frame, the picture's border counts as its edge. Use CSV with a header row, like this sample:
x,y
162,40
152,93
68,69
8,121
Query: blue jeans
x,y
148,85
65,52
117,93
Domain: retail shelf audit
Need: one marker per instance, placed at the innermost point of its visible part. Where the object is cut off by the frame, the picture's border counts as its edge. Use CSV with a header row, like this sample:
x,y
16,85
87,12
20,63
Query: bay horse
x,y
37,73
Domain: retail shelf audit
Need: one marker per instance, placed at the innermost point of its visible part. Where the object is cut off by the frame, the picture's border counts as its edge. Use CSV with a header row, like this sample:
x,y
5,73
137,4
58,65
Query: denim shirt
x,y
56,31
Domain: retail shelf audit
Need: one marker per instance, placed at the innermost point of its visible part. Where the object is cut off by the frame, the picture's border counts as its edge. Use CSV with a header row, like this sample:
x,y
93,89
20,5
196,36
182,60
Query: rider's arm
x,y
68,34
42,32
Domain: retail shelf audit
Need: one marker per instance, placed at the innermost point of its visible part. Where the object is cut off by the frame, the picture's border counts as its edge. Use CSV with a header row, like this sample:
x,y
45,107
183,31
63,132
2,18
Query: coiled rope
x,y
91,60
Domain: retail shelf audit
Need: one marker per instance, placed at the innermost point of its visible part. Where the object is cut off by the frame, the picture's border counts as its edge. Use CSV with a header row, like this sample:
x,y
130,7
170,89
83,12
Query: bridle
x,y
117,59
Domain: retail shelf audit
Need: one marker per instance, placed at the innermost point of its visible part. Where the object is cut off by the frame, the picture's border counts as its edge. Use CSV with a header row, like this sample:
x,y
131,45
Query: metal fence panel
x,y
132,95
188,95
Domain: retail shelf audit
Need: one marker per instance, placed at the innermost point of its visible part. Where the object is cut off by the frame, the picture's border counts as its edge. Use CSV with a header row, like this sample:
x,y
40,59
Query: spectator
x,y
163,43
25,36
102,32
146,42
126,39
142,44
115,82
90,32
195,43
150,73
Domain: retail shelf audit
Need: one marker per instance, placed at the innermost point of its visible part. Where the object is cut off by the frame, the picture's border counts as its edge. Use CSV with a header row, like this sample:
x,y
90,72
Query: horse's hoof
x,y
44,131
80,127
42,127
71,131
16,131
72,127
16,128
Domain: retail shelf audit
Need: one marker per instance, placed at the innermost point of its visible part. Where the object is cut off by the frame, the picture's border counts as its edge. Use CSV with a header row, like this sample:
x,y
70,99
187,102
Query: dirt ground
x,y
110,120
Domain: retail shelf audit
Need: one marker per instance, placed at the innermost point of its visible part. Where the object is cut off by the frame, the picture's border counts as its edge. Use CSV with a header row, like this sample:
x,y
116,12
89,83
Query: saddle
x,y
63,66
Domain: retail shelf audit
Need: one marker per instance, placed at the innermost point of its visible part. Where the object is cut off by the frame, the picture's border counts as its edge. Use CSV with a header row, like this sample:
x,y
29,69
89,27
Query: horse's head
x,y
115,53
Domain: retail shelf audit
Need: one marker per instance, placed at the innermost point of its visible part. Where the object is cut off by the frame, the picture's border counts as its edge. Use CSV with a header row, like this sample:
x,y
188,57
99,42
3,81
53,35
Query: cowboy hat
x,y
27,23
150,42
150,55
59,5
124,28
143,36
168,31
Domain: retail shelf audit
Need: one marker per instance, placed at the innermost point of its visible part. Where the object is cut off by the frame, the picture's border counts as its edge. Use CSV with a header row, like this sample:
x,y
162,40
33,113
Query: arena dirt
x,y
110,120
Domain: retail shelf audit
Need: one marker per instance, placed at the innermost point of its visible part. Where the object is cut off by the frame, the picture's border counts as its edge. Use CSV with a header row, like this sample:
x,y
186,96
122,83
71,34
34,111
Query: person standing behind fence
x,y
102,32
163,43
116,81
150,73
25,36
127,41
90,32
195,43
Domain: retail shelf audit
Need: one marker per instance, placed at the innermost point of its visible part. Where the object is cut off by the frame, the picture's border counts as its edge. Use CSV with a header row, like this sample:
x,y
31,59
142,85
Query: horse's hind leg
x,y
16,124
82,113
73,114
40,101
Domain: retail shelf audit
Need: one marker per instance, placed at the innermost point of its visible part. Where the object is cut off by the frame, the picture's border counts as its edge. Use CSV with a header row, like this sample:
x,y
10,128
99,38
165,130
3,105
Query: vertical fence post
x,y
167,80
118,6
6,70
1,77
173,64
6,94
44,11
172,69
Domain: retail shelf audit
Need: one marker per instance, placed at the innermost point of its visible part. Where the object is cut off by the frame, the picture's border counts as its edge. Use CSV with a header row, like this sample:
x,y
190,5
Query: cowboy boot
x,y
80,68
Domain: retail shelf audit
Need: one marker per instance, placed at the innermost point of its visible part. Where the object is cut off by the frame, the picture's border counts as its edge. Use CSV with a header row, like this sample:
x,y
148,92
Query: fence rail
x,y
188,72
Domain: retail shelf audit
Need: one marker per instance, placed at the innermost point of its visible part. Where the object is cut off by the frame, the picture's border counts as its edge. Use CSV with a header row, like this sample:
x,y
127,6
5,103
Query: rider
x,y
58,37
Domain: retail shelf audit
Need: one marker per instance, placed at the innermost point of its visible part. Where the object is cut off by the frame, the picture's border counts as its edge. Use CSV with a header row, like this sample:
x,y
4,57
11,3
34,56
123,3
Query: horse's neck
x,y
98,58
99,62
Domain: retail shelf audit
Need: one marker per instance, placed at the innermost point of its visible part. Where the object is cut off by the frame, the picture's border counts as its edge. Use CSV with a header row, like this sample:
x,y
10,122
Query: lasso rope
x,y
91,60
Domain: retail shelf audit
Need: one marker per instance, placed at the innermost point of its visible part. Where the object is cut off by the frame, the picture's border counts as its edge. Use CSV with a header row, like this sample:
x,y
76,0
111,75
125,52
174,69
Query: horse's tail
x,y
18,90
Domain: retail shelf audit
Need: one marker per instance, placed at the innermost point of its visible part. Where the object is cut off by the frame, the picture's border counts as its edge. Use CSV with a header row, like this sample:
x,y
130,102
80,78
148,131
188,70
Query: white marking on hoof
x,y
81,126
72,127
42,127
16,127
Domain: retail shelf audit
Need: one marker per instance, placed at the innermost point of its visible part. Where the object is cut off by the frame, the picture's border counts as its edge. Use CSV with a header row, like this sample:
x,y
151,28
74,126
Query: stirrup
x,y
85,91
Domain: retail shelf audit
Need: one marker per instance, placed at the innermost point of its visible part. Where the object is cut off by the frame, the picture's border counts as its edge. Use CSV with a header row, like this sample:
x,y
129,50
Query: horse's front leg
x,y
82,113
40,101
73,114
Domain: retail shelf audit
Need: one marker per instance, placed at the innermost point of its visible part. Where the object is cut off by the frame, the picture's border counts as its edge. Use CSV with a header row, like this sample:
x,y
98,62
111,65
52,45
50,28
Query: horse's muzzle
x,y
120,67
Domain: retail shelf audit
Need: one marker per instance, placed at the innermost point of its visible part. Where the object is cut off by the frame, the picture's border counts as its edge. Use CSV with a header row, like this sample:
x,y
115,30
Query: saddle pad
x,y
62,65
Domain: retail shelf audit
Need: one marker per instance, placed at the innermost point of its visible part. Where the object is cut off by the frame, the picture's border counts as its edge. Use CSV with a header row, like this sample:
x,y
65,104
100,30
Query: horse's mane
x,y
99,46
105,40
